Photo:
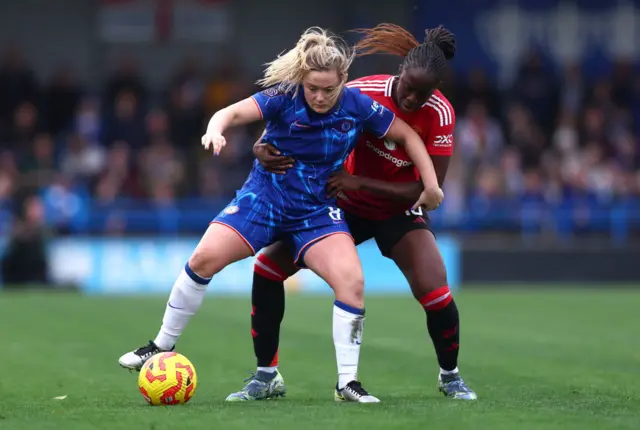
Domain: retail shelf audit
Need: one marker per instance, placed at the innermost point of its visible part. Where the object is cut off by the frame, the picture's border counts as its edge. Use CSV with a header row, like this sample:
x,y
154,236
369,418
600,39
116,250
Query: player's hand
x,y
342,181
214,141
430,199
271,159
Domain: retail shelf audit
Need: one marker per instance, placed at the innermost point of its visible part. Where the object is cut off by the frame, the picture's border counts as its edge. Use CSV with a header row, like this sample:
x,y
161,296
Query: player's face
x,y
415,86
321,89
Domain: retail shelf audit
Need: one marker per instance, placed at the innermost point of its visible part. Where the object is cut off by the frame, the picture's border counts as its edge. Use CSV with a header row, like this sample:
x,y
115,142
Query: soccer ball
x,y
167,378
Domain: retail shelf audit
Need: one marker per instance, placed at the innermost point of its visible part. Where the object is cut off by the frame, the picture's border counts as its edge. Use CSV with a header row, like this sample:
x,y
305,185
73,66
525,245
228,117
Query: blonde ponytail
x,y
316,50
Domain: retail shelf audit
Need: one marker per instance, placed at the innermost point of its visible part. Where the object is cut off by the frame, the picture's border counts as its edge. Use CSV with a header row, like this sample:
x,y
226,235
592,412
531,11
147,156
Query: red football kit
x,y
385,160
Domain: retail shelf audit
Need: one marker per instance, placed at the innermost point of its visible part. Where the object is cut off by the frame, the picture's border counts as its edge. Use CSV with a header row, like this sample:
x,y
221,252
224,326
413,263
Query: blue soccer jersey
x,y
270,206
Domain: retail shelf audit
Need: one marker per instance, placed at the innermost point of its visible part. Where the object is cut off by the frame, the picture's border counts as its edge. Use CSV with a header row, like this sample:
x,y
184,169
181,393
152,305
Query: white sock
x,y
348,325
448,372
271,369
184,301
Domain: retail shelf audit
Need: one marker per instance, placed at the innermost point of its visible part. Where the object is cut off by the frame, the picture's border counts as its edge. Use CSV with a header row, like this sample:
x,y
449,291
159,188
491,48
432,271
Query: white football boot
x,y
134,360
353,392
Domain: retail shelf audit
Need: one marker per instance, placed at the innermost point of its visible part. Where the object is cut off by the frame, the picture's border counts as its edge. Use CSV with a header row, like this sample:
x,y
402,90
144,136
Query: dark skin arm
x,y
406,192
271,159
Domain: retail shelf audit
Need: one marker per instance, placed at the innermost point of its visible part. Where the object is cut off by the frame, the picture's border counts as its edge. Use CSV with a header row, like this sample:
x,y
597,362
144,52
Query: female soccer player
x,y
377,187
312,117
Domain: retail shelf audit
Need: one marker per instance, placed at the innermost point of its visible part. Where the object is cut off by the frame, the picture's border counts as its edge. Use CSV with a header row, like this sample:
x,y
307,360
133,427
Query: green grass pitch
x,y
538,359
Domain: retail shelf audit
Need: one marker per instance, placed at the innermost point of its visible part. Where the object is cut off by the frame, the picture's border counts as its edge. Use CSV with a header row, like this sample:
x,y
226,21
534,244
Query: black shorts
x,y
386,232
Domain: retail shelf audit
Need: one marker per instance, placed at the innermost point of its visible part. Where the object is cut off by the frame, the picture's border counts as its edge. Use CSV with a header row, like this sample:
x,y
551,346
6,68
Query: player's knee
x,y
205,264
266,267
425,282
350,290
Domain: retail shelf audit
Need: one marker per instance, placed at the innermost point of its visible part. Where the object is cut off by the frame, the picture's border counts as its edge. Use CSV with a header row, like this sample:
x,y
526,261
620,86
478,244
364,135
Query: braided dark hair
x,y
431,55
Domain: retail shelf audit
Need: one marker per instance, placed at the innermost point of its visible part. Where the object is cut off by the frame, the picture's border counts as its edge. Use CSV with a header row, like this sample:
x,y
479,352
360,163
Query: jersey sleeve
x,y
270,102
376,118
439,140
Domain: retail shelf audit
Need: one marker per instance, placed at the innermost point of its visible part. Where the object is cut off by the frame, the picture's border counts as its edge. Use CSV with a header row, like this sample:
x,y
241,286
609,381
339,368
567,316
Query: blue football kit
x,y
294,207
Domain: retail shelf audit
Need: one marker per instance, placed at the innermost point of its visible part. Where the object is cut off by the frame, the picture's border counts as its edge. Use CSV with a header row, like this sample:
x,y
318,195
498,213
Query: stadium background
x,y
102,104
104,186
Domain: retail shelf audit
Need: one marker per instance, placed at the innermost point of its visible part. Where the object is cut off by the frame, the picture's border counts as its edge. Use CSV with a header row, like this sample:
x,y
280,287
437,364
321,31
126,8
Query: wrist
x,y
215,126
213,130
430,184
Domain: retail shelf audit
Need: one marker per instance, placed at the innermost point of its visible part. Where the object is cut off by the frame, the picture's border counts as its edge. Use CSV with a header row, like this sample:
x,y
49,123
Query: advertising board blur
x,y
150,265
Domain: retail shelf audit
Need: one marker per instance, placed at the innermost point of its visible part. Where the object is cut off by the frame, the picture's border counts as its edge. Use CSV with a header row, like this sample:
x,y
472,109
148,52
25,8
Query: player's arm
x,y
265,105
405,136
243,112
382,122
441,166
406,192
270,158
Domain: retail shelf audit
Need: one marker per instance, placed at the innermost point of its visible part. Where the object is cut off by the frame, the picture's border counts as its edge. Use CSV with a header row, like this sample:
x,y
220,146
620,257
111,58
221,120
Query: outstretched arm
x,y
244,112
264,105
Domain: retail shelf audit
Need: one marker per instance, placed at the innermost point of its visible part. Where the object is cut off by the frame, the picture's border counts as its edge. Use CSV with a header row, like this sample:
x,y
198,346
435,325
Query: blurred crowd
x,y
546,138
121,141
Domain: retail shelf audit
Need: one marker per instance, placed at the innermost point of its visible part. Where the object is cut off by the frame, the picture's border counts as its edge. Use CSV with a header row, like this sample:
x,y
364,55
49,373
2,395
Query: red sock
x,y
267,310
443,324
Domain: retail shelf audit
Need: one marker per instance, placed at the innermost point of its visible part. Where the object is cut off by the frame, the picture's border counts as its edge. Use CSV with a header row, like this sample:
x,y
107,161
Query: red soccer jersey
x,y
385,160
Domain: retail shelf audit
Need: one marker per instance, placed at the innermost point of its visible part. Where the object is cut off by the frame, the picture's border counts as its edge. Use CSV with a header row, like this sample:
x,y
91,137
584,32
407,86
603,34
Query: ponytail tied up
x,y
443,39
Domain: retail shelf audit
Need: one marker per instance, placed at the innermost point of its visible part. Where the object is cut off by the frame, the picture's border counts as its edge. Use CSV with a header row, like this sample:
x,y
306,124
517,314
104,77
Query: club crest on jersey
x,y
346,126
390,145
271,92
230,210
343,126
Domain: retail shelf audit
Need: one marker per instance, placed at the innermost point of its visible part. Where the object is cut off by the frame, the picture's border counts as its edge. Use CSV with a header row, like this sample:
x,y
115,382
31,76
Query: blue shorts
x,y
259,226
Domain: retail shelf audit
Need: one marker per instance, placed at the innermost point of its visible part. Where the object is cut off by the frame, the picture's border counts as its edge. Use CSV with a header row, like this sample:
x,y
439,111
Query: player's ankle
x,y
345,378
266,375
165,341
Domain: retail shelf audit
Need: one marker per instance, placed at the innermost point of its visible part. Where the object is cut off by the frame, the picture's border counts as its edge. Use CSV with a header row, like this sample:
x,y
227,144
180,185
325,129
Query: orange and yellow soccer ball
x,y
167,378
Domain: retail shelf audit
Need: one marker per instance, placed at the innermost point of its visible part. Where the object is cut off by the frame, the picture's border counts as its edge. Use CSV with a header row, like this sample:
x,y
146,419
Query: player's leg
x,y
272,267
412,246
330,252
224,242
